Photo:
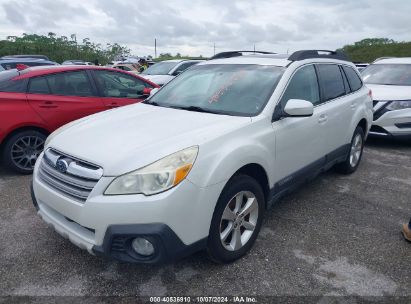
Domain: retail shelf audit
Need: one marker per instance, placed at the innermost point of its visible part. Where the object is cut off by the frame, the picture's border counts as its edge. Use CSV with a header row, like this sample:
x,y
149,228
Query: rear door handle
x,y
322,119
48,105
113,105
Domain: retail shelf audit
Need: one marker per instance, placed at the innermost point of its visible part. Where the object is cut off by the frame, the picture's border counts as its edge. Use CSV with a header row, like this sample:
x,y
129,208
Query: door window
x,y
70,84
113,84
303,85
38,85
331,81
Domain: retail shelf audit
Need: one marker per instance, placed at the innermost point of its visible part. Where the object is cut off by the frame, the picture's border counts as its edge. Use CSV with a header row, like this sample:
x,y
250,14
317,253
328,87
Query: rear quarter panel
x,y
15,112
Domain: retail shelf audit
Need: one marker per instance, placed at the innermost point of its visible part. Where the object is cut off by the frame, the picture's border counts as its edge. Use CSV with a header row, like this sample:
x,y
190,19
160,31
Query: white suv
x,y
390,81
197,164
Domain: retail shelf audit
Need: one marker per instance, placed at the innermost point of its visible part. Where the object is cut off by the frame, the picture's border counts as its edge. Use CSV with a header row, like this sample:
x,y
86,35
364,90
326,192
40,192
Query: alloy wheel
x,y
356,150
239,220
26,150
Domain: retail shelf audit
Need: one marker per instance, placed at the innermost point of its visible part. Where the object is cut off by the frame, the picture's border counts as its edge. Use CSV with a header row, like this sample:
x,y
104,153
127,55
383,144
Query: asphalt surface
x,y
337,235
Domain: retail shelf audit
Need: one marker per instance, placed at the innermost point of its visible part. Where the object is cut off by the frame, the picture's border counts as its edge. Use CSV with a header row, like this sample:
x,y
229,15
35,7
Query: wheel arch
x,y
21,129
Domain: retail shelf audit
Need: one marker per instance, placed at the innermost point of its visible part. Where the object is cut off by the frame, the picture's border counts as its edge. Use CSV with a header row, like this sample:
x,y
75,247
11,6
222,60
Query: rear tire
x,y
236,220
354,156
22,150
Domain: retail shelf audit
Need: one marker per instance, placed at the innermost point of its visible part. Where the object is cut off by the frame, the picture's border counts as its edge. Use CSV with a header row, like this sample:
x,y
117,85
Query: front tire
x,y
22,150
236,220
354,156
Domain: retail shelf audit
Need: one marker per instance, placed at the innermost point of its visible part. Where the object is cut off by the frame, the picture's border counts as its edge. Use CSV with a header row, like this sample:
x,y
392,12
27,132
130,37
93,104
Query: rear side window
x,y
303,85
13,86
353,78
70,84
38,85
331,81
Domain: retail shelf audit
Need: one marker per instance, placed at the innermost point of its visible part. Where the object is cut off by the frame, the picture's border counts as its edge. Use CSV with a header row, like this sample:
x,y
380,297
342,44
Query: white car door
x,y
300,141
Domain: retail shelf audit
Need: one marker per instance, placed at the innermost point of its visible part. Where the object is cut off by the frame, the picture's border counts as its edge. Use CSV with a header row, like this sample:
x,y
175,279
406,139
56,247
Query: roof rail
x,y
307,54
230,54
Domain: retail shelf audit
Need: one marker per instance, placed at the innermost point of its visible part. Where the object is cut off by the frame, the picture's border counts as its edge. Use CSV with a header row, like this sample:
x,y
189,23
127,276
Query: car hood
x,y
158,79
131,137
390,92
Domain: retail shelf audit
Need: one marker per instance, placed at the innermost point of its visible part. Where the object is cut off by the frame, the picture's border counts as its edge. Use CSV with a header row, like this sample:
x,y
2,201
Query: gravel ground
x,y
337,235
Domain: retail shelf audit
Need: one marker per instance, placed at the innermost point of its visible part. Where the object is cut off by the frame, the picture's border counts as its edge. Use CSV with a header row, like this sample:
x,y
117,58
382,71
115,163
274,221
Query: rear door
x,y
63,97
119,89
338,106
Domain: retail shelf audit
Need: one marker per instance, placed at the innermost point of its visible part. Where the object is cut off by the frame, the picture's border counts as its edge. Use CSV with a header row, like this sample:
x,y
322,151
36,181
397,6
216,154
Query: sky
x,y
193,27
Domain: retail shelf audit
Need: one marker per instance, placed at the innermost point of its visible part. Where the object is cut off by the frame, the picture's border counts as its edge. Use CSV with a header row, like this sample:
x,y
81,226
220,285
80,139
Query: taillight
x,y
21,66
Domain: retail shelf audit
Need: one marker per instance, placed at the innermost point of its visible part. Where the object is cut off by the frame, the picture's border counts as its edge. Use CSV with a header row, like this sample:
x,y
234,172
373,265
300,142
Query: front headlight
x,y
399,105
157,177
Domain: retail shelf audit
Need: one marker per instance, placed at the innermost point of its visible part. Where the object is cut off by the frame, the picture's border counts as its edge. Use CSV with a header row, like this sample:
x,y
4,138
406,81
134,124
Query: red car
x,y
36,101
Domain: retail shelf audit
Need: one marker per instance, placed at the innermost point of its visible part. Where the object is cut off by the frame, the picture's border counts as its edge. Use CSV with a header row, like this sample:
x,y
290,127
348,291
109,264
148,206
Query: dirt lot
x,y
337,235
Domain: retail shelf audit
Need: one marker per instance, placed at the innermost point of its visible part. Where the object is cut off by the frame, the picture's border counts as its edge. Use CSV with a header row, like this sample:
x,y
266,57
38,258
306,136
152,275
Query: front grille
x,y
69,176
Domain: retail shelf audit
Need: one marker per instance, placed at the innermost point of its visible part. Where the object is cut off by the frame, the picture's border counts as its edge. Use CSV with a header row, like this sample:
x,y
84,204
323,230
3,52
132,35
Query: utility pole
x,y
155,48
214,48
254,48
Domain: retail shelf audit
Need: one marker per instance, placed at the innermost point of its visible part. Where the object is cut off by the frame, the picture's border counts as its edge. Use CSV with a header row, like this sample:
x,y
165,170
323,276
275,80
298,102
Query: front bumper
x,y
394,124
176,221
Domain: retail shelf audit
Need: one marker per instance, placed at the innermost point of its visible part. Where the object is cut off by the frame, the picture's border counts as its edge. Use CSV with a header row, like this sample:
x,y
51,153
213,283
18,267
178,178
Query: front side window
x,y
121,85
303,85
388,74
70,84
233,89
161,68
353,78
331,81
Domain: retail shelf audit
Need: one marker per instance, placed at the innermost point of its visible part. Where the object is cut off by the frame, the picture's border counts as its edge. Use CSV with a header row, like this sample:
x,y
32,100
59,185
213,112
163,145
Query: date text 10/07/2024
x,y
234,299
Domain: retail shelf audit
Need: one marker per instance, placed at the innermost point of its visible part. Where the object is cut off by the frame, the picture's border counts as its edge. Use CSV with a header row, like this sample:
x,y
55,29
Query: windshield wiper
x,y
153,103
195,109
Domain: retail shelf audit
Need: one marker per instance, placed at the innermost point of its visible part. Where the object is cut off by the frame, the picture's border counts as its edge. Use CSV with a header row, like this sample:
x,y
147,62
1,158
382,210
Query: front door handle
x,y
322,119
113,105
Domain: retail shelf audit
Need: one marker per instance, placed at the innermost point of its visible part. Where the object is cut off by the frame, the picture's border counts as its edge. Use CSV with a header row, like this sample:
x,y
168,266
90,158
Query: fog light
x,y
142,246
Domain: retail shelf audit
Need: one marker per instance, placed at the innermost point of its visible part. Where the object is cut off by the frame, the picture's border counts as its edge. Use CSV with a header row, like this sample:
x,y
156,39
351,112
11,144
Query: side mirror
x,y
298,108
153,91
147,91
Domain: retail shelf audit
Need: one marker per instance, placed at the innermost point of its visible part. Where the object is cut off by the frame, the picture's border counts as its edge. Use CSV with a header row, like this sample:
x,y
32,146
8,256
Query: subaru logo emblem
x,y
61,165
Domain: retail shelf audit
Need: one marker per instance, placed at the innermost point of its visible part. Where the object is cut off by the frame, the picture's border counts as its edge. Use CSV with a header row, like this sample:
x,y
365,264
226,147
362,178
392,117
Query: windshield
x,y
388,74
161,68
241,90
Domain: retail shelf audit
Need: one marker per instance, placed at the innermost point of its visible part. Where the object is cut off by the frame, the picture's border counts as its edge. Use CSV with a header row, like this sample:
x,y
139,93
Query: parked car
x,y
129,67
162,72
361,66
36,101
76,62
197,164
390,81
25,56
11,63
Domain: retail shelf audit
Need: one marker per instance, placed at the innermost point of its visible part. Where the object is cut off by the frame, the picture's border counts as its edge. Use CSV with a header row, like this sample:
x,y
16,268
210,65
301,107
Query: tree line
x,y
62,48
367,50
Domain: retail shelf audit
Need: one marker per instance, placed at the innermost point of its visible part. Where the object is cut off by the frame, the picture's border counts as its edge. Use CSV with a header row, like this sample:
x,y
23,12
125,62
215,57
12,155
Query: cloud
x,y
194,27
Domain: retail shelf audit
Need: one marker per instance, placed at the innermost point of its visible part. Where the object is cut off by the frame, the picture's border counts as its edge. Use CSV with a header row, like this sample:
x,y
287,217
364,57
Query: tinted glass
x,y
161,68
221,88
70,84
120,85
331,81
38,86
15,86
184,67
353,78
388,74
303,85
